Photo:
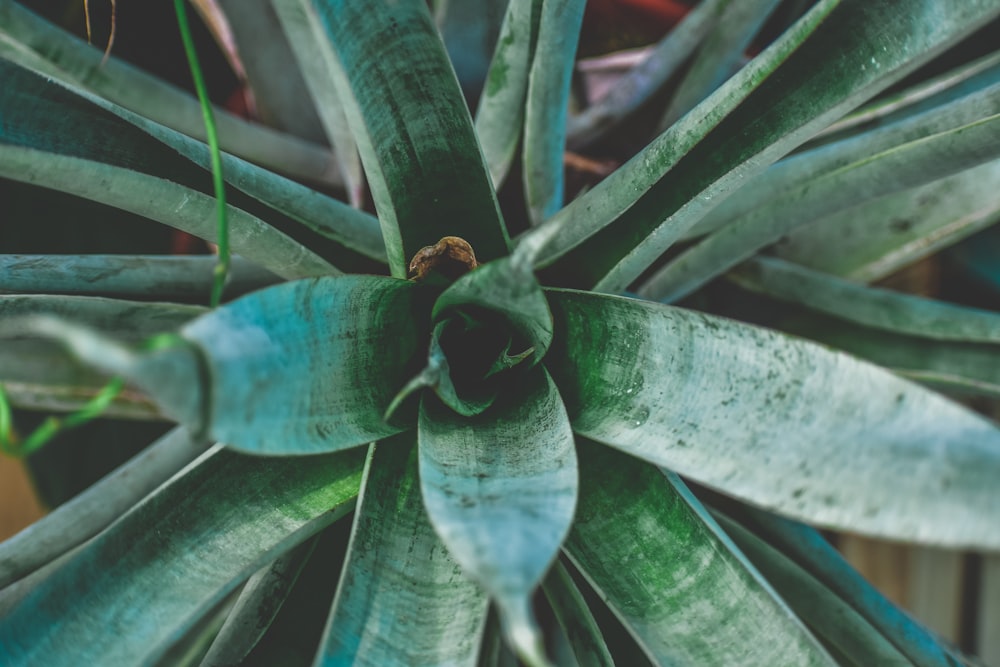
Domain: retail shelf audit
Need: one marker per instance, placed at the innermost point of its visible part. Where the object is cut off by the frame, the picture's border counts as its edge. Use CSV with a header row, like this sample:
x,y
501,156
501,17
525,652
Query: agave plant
x,y
577,473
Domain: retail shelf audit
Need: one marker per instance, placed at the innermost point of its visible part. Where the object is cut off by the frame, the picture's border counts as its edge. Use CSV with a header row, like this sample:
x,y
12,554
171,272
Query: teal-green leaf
x,y
52,137
318,66
500,115
92,510
963,368
136,588
39,374
870,241
500,489
873,307
413,130
780,422
784,177
34,43
720,55
311,366
818,70
647,78
402,600
830,617
909,165
255,608
571,611
683,589
810,550
546,106
161,277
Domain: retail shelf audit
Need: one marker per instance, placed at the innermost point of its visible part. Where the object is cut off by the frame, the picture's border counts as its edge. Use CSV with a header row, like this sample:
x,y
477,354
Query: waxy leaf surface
x,y
782,423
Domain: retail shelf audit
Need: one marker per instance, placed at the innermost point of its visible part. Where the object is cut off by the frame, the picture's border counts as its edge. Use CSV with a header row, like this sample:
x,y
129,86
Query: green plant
x,y
503,415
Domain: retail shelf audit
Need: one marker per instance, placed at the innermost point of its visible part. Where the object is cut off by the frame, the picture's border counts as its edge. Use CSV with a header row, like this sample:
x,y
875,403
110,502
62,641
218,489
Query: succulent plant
x,y
487,428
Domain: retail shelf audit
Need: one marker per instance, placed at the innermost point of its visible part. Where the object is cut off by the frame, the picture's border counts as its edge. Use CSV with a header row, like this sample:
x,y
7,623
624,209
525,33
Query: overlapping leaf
x,y
780,422
221,521
402,600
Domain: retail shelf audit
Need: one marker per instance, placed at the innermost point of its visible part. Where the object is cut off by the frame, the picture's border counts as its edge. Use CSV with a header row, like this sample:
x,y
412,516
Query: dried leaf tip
x,y
450,257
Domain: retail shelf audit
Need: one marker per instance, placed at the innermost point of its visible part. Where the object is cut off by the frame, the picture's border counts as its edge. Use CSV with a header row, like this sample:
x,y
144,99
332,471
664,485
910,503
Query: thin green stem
x,y
53,425
222,266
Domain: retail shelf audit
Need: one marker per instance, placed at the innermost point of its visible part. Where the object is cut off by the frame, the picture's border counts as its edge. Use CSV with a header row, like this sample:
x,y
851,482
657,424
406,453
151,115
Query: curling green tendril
x,y
11,445
222,266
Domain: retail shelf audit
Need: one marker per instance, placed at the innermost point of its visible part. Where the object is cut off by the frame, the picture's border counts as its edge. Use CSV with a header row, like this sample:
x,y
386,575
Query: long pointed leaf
x,y
829,616
964,368
500,116
719,56
877,308
36,44
146,276
215,525
403,600
871,241
94,509
818,70
780,422
319,67
413,130
815,554
906,166
808,166
546,106
647,78
687,595
52,137
572,613
500,490
40,375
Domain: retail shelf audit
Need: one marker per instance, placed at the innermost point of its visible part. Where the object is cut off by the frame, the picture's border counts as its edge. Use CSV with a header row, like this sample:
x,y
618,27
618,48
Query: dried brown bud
x,y
451,257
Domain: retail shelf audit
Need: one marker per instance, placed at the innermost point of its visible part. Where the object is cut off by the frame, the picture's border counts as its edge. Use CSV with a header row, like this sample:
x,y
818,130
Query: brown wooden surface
x,y
18,505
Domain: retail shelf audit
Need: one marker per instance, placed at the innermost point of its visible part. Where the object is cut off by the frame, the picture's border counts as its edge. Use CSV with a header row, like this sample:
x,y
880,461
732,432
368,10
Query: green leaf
x,y
41,375
32,42
873,307
910,165
780,422
546,105
647,78
782,180
574,617
500,115
215,525
57,139
806,547
719,56
255,608
923,96
500,489
870,241
819,69
403,600
470,31
682,588
280,97
92,510
413,130
829,617
311,366
180,277
318,64
964,368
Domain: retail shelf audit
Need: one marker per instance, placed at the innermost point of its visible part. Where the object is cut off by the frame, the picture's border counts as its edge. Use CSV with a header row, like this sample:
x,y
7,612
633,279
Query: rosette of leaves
x,y
493,444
